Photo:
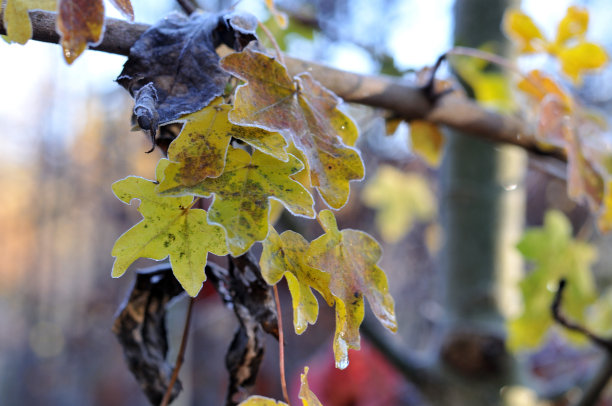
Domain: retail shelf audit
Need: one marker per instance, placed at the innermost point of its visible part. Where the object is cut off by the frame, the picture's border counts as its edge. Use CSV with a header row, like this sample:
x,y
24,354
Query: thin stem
x,y
281,346
180,357
270,36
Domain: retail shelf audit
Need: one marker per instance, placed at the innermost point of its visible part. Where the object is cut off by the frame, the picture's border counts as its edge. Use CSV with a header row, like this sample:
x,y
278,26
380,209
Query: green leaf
x,y
555,255
350,258
169,228
305,113
242,192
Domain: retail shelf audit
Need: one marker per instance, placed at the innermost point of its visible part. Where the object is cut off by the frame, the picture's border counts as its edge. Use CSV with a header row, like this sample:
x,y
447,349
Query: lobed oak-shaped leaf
x,y
199,150
79,23
308,398
169,228
350,258
17,20
286,255
305,113
242,192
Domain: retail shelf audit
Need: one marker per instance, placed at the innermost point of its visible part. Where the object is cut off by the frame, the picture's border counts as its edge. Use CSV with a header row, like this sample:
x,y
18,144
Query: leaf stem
x,y
270,36
281,346
180,357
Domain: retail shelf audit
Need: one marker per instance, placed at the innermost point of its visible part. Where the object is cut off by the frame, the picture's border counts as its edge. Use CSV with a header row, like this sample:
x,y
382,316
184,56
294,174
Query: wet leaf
x,y
305,113
427,141
286,255
578,59
17,21
555,255
350,258
125,6
520,27
79,23
242,192
308,398
177,55
140,327
400,200
169,228
200,149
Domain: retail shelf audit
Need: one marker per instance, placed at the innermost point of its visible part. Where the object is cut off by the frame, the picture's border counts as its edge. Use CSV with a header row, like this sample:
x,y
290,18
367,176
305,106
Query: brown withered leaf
x,y
177,57
80,23
140,326
125,7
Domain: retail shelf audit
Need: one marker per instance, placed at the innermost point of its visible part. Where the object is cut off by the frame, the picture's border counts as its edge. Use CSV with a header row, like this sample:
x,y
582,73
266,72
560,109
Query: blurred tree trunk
x,y
483,209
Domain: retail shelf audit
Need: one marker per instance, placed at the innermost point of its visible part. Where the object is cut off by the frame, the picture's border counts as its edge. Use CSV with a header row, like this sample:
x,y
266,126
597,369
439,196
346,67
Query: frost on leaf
x,y
350,258
286,255
169,228
242,192
177,55
17,21
555,255
305,113
80,23
200,149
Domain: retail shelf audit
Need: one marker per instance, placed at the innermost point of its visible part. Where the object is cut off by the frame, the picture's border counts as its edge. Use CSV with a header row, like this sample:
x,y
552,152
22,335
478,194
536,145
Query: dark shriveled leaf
x,y
177,55
140,326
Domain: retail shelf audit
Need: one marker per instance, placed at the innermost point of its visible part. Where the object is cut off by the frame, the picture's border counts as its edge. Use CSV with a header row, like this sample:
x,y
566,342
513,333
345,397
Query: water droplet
x,y
511,187
343,127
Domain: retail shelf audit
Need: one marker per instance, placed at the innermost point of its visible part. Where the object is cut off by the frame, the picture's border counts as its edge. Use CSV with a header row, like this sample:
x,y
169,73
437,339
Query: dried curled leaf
x,y
140,327
241,204
17,20
305,113
170,228
350,258
125,6
286,255
79,23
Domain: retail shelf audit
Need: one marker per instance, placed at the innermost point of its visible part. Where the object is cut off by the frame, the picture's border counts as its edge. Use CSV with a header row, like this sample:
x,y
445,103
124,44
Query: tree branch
x,y
405,100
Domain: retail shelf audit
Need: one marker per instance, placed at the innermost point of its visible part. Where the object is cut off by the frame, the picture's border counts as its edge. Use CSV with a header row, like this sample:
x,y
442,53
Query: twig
x,y
281,346
180,357
188,6
270,36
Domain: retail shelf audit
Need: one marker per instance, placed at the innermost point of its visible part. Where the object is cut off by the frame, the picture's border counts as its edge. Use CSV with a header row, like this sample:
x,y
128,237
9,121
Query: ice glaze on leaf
x,y
308,398
17,20
286,255
305,113
555,255
178,56
241,203
79,23
200,149
350,258
400,199
169,228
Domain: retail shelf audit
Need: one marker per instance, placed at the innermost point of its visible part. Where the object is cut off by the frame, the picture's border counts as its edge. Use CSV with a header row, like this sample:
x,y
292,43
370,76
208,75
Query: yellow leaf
x,y
350,258
280,17
427,141
582,57
286,255
400,199
521,28
538,85
573,25
241,203
199,150
308,398
17,21
169,228
305,113
261,401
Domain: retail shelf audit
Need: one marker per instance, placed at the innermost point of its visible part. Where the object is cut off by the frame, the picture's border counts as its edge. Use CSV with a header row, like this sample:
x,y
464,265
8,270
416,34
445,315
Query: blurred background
x,y
66,139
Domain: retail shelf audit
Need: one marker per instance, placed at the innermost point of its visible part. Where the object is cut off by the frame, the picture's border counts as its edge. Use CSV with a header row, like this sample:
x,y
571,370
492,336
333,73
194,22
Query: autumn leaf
x,y
261,401
573,25
200,149
350,258
125,7
241,204
427,141
169,228
520,27
555,255
286,255
400,199
305,113
583,57
538,85
17,20
308,398
79,23
280,17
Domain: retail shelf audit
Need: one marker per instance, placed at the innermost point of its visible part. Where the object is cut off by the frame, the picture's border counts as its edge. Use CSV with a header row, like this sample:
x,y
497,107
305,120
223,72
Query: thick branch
x,y
405,100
